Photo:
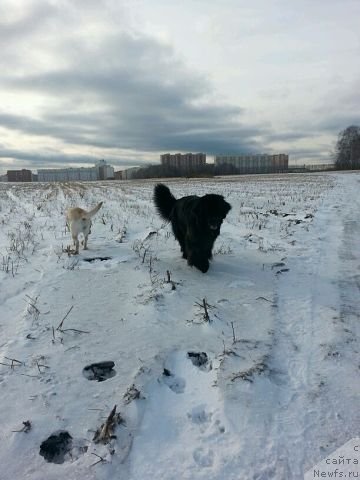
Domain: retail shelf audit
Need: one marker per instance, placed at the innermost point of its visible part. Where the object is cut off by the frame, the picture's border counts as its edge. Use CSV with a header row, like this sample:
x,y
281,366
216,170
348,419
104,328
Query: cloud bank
x,y
87,80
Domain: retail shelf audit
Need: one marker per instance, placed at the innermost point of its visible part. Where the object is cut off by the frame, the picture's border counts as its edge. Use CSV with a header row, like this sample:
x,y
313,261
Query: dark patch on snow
x,y
333,354
282,271
55,448
199,359
99,371
277,264
93,259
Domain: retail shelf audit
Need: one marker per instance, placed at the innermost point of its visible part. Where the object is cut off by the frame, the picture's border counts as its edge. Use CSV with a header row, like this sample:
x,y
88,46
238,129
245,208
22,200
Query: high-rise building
x,y
105,171
183,161
255,163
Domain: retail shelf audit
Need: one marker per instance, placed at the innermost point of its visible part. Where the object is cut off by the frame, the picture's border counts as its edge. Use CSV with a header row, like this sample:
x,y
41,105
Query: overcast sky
x,y
128,80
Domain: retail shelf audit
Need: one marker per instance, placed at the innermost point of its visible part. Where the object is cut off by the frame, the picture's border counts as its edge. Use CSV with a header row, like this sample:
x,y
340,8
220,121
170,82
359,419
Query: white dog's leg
x,y
76,242
86,231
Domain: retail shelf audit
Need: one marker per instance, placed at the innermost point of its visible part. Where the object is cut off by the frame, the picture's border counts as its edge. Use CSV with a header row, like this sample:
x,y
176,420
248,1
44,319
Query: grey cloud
x,y
130,93
289,136
52,159
32,17
334,124
113,89
324,156
340,107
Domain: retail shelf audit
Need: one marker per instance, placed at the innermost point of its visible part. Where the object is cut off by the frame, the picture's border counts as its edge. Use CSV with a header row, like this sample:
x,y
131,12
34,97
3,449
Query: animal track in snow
x,y
200,359
55,448
193,419
99,371
204,457
61,447
199,415
95,259
176,384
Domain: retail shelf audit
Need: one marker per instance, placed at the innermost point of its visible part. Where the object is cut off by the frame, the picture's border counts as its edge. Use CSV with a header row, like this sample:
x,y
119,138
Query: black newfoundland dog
x,y
195,221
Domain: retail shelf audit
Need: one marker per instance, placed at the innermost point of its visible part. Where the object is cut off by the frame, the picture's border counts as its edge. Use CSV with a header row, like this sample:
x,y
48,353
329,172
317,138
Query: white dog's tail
x,y
94,210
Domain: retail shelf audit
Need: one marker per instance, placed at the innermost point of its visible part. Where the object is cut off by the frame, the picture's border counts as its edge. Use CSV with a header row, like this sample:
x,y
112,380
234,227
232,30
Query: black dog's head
x,y
211,211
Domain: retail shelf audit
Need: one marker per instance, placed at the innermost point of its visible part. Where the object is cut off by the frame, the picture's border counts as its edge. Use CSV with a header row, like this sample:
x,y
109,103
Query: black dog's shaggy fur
x,y
195,221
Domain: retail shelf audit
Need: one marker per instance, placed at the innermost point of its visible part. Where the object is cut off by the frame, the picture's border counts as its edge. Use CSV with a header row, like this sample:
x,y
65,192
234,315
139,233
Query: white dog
x,y
79,221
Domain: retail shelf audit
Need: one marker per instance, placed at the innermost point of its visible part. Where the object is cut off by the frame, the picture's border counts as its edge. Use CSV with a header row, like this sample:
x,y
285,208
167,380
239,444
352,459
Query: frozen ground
x,y
276,385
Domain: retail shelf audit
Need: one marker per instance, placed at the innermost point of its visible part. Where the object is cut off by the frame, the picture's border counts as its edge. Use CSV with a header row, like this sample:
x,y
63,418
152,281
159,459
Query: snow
x,y
280,388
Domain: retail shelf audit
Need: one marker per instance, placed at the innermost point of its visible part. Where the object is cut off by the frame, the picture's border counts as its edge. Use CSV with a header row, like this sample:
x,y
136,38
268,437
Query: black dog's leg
x,y
181,239
197,258
203,265
183,249
183,246
200,262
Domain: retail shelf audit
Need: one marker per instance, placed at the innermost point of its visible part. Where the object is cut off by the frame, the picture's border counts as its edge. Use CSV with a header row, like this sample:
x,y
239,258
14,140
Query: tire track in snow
x,y
303,406
318,409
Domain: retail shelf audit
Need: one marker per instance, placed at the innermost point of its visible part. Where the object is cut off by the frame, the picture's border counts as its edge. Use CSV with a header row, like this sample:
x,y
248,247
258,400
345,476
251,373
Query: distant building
x,y
101,171
298,169
19,175
183,161
315,167
256,163
105,171
67,174
3,178
280,162
128,174
118,175
320,167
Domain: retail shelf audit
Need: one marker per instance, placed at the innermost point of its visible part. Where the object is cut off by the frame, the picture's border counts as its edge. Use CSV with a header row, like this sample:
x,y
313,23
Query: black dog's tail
x,y
164,200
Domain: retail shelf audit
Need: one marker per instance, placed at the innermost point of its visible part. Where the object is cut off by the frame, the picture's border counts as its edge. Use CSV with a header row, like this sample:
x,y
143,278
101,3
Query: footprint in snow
x,y
203,457
100,371
200,359
61,447
199,416
176,384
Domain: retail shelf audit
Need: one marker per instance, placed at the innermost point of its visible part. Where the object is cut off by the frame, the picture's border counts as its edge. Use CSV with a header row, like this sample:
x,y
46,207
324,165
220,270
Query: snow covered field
x,y
263,387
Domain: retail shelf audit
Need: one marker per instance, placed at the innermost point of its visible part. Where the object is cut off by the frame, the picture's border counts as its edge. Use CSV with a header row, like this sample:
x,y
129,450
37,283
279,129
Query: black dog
x,y
195,221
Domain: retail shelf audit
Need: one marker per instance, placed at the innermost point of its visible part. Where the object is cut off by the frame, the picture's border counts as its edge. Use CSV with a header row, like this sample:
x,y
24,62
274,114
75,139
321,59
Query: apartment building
x,y
105,171
255,163
129,173
19,175
183,161
67,174
101,171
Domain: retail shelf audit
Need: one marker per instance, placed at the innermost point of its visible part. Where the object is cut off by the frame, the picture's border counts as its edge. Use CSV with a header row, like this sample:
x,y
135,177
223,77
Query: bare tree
x,y
347,150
